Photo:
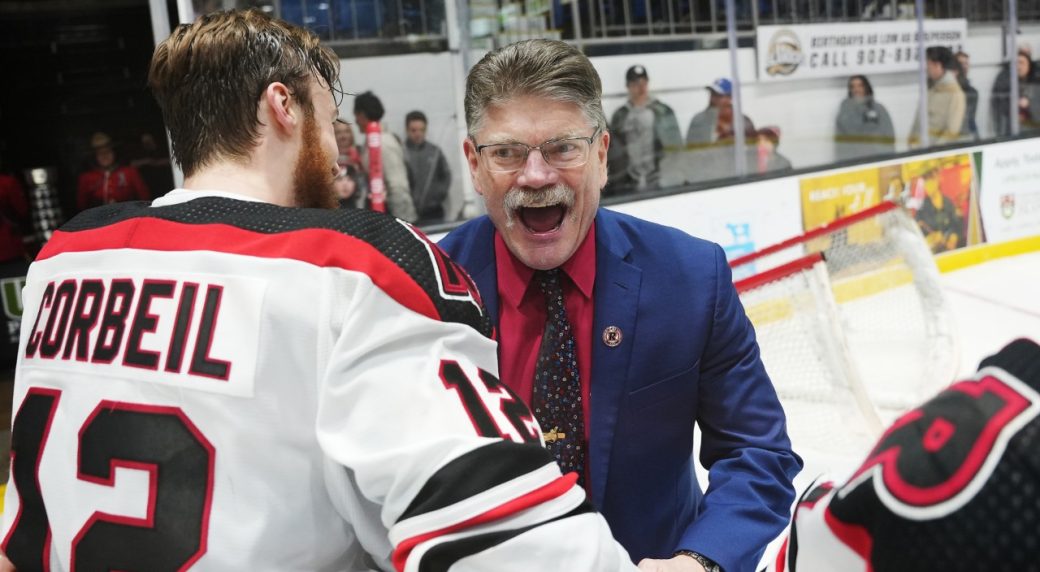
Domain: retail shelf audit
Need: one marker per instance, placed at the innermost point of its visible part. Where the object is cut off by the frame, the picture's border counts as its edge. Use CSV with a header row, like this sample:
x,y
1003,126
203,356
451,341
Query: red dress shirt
x,y
521,318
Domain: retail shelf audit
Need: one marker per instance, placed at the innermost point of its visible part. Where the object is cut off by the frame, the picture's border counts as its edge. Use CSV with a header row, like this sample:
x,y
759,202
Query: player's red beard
x,y
312,176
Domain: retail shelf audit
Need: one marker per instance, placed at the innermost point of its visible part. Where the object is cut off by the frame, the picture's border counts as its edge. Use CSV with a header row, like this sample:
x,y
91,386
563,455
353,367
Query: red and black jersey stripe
x,y
442,557
380,246
472,474
475,472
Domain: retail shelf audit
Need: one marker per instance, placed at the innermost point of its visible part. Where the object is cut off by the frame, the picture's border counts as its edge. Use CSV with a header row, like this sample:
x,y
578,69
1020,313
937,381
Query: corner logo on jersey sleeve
x,y
453,283
195,331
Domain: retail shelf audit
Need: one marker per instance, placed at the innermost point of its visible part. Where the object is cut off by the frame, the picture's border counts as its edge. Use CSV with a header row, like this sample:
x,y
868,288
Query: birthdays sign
x,y
840,50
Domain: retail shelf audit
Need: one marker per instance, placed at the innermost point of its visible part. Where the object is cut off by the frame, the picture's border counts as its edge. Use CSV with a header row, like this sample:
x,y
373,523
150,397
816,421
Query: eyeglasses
x,y
558,153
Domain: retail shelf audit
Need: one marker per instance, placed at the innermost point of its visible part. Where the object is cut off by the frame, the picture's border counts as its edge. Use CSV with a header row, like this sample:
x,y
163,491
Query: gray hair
x,y
542,68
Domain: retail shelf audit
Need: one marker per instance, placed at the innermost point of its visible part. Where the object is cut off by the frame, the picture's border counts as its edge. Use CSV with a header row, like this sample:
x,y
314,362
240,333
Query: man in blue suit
x,y
655,338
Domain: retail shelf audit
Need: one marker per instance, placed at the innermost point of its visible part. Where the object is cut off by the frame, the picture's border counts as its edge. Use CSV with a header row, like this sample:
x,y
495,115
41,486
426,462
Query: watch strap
x,y
703,560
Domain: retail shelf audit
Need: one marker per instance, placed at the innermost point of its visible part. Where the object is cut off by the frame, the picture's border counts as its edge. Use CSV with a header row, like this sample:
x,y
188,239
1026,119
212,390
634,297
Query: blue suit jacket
x,y
688,353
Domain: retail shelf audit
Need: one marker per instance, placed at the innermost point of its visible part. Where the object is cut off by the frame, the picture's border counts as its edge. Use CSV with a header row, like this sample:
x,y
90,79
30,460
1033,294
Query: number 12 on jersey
x,y
159,440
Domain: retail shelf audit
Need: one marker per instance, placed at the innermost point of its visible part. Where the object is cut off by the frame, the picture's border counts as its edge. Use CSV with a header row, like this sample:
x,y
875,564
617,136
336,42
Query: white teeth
x,y
537,205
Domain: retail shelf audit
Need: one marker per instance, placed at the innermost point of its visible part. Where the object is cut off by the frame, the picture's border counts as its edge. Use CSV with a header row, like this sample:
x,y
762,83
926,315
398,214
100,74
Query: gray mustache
x,y
558,194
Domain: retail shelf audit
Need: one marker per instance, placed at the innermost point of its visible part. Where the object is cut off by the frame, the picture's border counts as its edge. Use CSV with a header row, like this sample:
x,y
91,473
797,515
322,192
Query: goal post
x,y
804,351
887,300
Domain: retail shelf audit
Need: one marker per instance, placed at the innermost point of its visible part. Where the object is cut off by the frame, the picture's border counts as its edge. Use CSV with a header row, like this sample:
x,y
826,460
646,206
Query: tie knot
x,y
549,282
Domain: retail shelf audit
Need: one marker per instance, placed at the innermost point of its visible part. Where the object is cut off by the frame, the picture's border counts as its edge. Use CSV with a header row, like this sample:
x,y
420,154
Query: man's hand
x,y
678,563
5,564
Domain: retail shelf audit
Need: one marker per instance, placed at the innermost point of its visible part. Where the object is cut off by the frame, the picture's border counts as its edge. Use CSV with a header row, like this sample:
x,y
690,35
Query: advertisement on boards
x,y
838,50
1010,197
829,197
939,192
741,218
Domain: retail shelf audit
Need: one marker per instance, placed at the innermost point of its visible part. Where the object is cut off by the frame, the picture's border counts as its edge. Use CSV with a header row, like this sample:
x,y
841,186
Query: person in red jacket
x,y
14,213
108,181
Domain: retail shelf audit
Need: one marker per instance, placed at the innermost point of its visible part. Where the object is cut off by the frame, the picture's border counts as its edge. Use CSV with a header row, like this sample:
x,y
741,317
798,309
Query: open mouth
x,y
542,219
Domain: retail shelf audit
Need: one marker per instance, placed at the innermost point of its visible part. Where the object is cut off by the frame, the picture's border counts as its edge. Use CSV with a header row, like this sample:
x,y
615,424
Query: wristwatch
x,y
703,560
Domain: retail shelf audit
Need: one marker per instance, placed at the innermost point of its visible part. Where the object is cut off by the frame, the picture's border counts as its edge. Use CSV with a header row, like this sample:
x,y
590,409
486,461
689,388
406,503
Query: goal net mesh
x,y
868,319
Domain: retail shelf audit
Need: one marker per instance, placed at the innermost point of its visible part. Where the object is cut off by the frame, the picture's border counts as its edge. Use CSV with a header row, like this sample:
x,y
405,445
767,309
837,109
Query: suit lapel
x,y
616,298
478,257
486,280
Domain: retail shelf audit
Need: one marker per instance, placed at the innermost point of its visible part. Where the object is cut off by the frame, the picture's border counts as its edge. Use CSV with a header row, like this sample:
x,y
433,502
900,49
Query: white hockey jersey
x,y
211,383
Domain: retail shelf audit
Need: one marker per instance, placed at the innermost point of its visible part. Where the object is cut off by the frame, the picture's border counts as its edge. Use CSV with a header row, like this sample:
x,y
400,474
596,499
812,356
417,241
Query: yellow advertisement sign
x,y
831,197
939,192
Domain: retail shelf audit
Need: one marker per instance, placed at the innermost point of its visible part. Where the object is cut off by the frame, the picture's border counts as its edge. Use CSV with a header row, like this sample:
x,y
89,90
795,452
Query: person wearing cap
x,y
710,137
715,124
14,218
107,180
941,222
644,130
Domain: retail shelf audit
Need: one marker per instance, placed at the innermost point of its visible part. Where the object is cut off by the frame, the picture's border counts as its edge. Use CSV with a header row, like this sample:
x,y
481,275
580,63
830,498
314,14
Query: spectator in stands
x,y
714,125
14,217
768,159
710,136
590,301
153,164
642,131
1028,95
351,184
368,109
428,170
946,102
970,129
108,181
863,127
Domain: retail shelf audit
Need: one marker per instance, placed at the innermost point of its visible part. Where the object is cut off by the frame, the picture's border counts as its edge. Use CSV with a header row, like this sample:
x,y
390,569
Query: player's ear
x,y
279,102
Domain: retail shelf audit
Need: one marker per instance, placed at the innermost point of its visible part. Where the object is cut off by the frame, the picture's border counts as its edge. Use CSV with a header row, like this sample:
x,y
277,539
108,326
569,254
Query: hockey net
x,y
889,318
804,350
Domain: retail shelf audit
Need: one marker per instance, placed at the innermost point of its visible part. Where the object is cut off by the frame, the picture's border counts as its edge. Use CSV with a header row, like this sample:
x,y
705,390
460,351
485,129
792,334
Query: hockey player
x,y
219,381
951,485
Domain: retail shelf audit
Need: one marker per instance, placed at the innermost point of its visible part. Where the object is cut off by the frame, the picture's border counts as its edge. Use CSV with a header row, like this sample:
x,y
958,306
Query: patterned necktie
x,y
557,386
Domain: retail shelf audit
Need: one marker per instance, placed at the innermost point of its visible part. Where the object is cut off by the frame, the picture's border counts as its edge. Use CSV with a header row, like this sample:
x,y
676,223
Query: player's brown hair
x,y
209,75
